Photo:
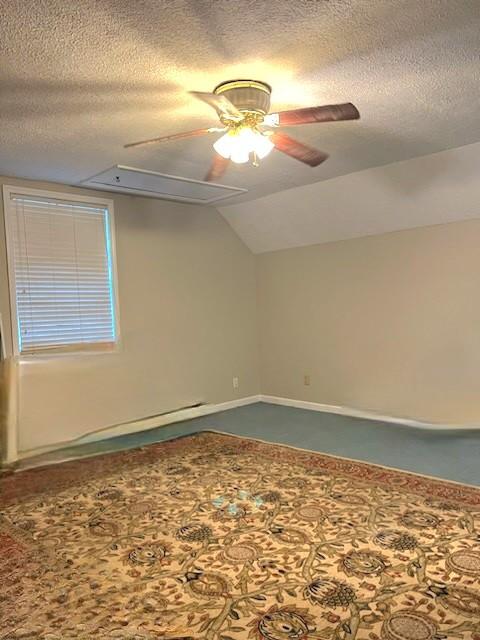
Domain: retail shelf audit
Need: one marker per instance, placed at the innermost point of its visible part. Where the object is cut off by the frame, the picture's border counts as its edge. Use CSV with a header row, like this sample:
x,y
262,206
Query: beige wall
x,y
187,320
387,323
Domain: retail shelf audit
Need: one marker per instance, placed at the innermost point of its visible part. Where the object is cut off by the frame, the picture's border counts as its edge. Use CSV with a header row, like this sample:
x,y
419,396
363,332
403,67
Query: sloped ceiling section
x,y
434,189
80,79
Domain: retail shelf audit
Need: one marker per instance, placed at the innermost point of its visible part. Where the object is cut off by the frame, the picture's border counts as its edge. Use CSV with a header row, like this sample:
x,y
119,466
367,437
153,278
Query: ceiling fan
x,y
243,109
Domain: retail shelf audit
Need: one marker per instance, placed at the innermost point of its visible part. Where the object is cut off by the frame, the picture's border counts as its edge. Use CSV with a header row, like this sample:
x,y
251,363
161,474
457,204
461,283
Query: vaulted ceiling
x,y
434,189
80,79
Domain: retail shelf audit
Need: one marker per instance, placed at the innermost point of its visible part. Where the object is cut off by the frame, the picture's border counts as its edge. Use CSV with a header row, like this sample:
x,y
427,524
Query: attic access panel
x,y
152,184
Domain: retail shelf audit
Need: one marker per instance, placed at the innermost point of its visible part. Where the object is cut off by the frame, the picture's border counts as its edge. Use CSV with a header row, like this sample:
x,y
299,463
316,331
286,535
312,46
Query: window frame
x,y
62,351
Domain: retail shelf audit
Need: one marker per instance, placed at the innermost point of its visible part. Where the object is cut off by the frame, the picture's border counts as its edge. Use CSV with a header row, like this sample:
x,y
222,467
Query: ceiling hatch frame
x,y
153,184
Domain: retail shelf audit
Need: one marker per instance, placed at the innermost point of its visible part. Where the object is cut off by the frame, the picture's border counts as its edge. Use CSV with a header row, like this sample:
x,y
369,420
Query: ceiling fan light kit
x,y
243,109
237,144
252,99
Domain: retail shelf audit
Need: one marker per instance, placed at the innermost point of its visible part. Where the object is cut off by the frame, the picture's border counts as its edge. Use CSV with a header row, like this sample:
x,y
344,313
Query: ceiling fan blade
x,y
175,136
327,113
217,168
220,103
297,150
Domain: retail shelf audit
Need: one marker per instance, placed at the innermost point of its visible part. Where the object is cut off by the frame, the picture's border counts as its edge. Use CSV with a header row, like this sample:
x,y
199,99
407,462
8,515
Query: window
x,y
62,271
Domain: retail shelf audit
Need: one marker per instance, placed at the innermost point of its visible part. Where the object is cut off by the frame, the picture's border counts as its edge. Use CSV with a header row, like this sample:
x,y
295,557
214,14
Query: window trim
x,y
62,352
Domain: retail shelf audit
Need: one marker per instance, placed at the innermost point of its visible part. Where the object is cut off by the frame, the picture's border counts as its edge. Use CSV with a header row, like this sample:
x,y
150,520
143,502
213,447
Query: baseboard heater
x,y
156,416
115,430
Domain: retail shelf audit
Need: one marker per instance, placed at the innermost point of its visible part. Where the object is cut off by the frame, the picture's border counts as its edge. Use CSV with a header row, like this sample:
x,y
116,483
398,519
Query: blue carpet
x,y
453,455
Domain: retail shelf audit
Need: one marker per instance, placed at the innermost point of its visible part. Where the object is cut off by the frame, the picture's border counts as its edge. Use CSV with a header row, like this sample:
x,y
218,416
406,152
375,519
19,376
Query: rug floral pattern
x,y
217,537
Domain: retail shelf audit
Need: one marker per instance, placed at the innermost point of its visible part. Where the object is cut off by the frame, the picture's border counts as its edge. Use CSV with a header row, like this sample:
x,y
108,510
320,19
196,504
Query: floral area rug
x,y
224,538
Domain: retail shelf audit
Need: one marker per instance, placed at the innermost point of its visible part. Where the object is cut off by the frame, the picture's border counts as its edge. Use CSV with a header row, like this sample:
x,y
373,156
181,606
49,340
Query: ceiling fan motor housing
x,y
250,96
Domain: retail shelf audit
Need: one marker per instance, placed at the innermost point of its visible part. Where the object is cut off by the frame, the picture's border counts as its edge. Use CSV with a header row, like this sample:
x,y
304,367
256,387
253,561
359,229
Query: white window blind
x,y
60,255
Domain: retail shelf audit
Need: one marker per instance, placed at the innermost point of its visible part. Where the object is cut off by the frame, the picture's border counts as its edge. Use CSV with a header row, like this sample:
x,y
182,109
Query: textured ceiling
x,y
79,79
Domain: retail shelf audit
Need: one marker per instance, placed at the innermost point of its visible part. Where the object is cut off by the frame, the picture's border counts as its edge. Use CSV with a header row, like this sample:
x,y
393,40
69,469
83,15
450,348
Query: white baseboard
x,y
207,409
165,419
367,415
142,424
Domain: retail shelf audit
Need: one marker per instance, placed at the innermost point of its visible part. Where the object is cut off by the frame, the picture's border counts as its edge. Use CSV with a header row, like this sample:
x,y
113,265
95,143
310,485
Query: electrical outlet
x,y
235,382
306,380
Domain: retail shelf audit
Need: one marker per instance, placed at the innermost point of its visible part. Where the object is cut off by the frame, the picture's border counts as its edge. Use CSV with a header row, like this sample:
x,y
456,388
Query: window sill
x,y
70,352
